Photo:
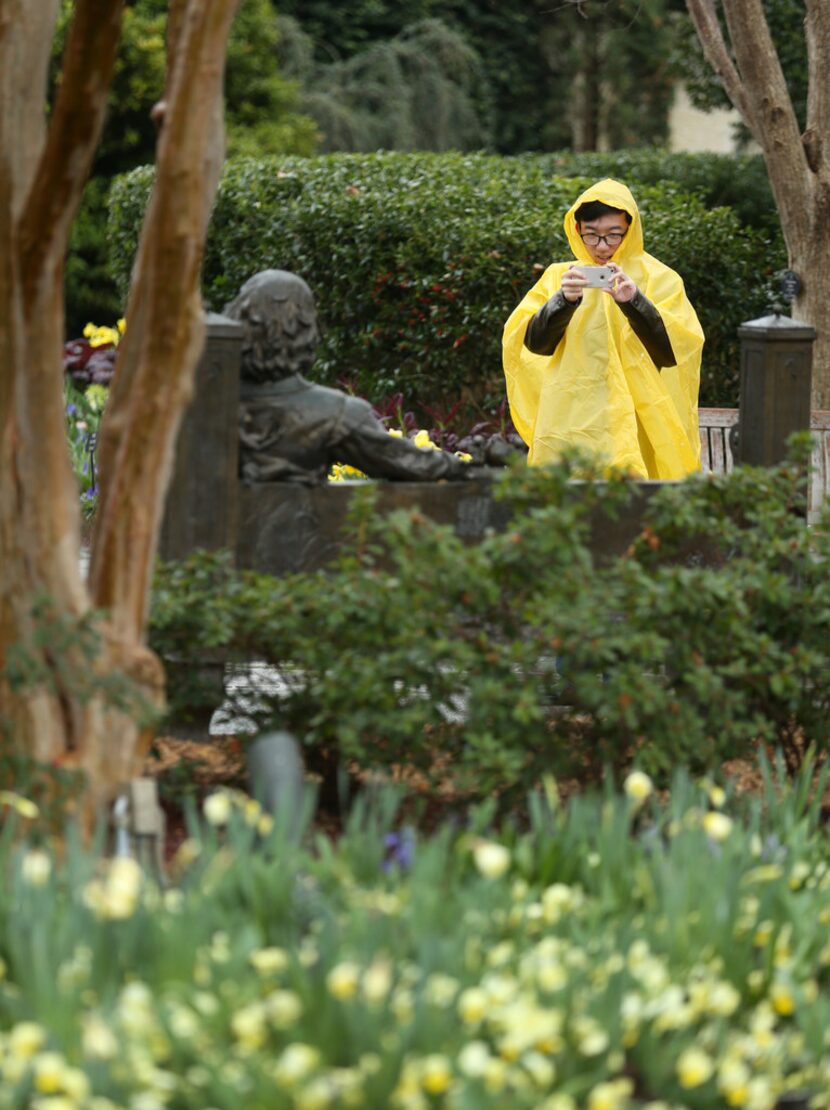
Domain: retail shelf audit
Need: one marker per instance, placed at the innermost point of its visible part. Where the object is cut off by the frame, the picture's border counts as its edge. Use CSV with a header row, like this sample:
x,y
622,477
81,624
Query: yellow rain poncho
x,y
599,390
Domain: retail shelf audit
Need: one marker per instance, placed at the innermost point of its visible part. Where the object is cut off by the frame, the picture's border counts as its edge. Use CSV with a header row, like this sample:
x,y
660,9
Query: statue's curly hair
x,y
277,311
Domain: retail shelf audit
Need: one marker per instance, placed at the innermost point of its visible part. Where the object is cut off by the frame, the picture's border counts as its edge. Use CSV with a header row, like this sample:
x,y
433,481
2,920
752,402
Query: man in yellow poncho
x,y
614,371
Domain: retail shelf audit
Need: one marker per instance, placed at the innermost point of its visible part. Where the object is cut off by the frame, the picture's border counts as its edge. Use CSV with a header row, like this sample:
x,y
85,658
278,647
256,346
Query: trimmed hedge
x,y
417,259
736,181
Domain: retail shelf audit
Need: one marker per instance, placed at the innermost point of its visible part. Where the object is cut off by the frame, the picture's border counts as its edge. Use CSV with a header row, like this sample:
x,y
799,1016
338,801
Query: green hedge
x,y
736,181
526,653
417,259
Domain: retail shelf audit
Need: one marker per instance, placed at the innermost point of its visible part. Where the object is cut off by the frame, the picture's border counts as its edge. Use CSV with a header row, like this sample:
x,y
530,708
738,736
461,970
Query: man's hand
x,y
622,288
573,282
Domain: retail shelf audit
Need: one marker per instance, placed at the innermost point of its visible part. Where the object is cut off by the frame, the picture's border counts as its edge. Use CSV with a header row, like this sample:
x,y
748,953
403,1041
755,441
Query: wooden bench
x,y
716,453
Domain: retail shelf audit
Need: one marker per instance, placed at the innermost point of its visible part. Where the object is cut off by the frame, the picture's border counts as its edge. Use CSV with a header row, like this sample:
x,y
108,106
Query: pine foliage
x,y
420,90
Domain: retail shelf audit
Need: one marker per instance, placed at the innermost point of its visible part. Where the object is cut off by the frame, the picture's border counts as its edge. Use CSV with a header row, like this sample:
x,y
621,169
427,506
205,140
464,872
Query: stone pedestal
x,y
201,507
285,529
776,372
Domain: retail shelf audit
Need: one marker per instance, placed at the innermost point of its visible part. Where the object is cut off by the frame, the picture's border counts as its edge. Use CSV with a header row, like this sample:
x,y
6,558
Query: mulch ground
x,y
192,768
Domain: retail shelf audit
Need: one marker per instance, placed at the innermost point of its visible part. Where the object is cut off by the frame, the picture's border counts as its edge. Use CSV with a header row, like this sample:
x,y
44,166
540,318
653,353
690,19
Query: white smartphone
x,y
599,277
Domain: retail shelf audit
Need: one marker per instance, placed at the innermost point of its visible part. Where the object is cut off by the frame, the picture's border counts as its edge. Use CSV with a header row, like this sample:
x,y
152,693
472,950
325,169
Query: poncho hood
x,y
615,195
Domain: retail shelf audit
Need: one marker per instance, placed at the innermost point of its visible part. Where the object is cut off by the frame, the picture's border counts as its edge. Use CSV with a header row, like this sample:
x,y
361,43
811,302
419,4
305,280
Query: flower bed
x,y
620,951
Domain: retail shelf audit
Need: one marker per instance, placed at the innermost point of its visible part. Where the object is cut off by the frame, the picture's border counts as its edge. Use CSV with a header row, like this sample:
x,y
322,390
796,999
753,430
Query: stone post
x,y
202,501
776,371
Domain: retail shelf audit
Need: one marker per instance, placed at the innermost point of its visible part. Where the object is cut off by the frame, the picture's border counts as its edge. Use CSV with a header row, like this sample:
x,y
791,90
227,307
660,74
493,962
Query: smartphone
x,y
599,277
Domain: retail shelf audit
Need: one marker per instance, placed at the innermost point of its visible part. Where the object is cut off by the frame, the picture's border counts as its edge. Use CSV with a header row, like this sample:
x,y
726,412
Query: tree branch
x,y
705,18
75,128
817,32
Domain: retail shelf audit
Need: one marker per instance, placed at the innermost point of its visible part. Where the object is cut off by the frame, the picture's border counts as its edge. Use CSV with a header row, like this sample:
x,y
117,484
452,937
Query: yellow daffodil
x,y
716,825
36,868
269,961
283,1009
694,1068
436,1074
343,980
23,806
638,786
491,859
217,808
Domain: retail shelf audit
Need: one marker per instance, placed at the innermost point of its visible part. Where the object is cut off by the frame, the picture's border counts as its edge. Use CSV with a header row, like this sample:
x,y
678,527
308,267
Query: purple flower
x,y
400,850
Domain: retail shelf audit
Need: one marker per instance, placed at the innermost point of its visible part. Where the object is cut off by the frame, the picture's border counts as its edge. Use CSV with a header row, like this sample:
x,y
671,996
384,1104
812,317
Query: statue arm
x,y
370,448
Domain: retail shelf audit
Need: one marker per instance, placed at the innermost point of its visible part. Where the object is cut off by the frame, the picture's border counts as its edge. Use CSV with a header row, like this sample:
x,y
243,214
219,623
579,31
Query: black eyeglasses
x,y
612,239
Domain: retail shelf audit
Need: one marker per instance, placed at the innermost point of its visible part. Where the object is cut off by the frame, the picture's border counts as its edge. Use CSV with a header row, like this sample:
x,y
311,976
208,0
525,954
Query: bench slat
x,y
716,455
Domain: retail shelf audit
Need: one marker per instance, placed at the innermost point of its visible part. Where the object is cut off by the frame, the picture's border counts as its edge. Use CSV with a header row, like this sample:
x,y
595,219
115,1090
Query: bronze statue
x,y
293,430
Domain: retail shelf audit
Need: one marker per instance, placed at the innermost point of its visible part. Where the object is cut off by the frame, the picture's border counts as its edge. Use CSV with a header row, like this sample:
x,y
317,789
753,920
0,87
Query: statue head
x,y
276,309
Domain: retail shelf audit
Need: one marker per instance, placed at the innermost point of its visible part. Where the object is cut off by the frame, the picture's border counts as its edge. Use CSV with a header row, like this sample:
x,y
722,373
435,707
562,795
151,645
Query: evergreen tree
x,y
424,89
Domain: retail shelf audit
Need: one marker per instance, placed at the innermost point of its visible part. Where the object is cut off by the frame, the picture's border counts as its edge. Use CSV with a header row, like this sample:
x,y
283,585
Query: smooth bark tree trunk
x,y
798,163
67,715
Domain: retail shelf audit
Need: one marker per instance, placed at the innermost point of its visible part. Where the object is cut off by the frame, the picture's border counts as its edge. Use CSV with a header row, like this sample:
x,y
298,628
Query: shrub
x,y
736,181
527,653
417,259
614,952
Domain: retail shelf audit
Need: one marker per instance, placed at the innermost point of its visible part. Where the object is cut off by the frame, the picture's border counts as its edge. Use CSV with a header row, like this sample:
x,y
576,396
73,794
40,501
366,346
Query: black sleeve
x,y
649,328
547,327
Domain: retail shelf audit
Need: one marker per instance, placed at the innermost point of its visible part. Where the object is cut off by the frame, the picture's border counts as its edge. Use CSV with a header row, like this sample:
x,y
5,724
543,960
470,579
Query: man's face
x,y
613,226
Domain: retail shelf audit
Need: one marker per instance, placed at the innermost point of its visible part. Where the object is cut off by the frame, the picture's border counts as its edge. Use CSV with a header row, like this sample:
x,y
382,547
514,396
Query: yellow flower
x,y
318,1095
49,1069
342,981
717,826
26,1039
396,432
540,1068
121,325
472,1005
491,859
422,440
782,998
23,806
284,1009
610,1096
464,456
473,1059
295,1064
436,1074
269,961
116,897
377,981
99,1041
694,1068
558,899
248,1026
36,868
638,786
217,808
733,1081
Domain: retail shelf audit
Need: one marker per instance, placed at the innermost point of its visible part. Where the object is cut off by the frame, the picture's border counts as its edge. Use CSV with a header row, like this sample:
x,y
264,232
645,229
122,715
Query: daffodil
x,y
217,808
36,867
343,980
269,961
716,825
638,786
694,1068
491,859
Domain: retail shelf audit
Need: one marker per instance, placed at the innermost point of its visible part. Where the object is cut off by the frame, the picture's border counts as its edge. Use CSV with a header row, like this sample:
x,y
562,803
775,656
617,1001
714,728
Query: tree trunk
x,y
56,720
798,164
